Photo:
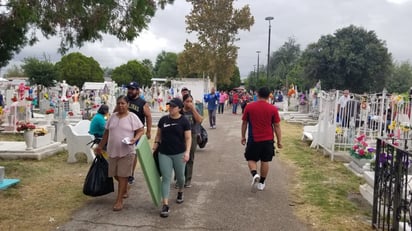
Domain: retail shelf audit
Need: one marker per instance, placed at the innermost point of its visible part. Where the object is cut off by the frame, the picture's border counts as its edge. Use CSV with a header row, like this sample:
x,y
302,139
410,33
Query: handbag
x,y
97,182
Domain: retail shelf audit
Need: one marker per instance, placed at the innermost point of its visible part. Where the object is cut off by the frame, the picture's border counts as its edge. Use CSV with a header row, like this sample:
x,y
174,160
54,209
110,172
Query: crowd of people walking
x,y
178,135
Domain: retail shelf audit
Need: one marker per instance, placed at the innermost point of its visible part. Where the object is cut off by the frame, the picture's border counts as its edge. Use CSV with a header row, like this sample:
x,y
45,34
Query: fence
x,y
375,115
392,197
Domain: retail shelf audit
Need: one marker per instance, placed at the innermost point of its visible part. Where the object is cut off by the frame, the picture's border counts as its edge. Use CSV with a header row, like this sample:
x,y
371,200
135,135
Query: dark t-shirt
x,y
194,126
173,134
137,107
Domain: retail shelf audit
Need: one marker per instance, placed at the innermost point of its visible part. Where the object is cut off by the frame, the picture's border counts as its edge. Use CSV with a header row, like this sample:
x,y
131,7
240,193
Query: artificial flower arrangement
x,y
24,126
361,149
50,111
40,131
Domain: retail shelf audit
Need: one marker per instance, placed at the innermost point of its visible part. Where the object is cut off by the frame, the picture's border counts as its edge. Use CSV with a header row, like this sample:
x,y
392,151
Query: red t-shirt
x,y
235,98
261,116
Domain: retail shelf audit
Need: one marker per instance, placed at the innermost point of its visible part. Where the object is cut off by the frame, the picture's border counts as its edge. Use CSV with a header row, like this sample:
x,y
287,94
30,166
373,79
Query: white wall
x,y
197,86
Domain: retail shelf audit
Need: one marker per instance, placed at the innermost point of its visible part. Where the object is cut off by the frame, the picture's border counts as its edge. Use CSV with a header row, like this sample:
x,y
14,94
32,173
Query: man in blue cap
x,y
141,108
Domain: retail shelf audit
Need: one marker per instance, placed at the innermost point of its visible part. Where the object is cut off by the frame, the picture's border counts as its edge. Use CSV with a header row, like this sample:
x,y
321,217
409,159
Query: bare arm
x,y
137,134
278,134
148,115
157,139
102,143
198,118
188,140
243,132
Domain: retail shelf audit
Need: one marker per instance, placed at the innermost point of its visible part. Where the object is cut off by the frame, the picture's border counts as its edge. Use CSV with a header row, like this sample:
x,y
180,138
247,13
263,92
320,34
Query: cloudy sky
x,y
305,21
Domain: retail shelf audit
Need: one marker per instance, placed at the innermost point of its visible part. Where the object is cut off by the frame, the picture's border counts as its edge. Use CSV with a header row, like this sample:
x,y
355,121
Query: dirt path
x,y
220,198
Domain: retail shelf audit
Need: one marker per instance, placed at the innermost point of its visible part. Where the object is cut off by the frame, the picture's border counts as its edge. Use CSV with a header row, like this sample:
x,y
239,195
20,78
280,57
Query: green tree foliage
x,y
75,21
190,61
216,24
132,71
283,62
148,63
400,81
234,81
40,72
76,69
166,65
352,58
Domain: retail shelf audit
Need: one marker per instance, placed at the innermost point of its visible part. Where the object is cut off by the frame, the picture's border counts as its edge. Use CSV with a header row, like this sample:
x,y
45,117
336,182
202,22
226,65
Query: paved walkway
x,y
220,198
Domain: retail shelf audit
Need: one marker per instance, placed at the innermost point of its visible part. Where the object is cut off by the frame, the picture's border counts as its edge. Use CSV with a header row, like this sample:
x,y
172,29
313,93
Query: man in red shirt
x,y
262,121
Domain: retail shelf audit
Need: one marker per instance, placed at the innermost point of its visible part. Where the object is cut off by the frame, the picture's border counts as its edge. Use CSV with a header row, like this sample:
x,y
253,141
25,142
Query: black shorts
x,y
263,151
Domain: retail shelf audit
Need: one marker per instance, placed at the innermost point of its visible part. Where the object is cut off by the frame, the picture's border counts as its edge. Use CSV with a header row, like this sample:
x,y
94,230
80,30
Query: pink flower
x,y
355,147
361,152
361,137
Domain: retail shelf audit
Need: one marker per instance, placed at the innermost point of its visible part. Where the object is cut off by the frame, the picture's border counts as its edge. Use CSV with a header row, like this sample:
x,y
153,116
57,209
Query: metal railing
x,y
392,197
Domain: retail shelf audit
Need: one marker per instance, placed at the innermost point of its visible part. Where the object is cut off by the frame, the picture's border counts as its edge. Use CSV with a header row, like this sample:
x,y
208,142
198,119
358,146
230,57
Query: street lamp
x,y
257,76
254,73
269,18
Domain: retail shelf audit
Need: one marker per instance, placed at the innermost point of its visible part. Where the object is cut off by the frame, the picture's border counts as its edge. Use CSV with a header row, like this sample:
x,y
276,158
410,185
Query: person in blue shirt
x,y
212,100
98,122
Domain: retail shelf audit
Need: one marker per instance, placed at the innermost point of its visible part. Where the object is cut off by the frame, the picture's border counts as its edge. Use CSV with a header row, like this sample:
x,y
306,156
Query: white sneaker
x,y
261,186
255,182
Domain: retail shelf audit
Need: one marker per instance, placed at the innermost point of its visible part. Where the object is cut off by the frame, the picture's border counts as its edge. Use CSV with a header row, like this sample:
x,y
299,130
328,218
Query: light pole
x,y
257,75
254,73
269,18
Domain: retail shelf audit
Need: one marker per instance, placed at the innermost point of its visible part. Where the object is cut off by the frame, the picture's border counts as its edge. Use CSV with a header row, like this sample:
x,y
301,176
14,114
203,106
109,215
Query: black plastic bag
x,y
203,137
97,182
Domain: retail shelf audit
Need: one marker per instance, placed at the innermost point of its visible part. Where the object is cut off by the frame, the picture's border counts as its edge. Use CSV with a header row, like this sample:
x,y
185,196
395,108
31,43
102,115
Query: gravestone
x,y
44,105
19,111
8,96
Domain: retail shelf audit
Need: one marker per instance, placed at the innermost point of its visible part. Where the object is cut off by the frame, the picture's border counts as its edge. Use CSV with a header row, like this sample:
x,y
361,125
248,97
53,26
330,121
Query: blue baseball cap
x,y
134,85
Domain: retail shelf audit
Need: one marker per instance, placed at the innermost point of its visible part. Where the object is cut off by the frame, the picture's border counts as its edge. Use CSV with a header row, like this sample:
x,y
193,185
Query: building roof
x,y
93,86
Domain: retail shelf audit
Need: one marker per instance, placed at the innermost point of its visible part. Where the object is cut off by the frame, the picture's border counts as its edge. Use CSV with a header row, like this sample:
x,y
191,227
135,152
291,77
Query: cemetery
x,y
371,135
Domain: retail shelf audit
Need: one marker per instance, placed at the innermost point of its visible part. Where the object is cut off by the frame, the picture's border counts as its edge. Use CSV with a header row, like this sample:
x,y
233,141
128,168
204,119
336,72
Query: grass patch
x,y
11,137
326,190
49,192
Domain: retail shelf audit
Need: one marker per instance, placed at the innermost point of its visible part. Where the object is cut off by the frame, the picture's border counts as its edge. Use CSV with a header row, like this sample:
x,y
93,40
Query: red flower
x,y
14,99
355,147
23,126
50,111
361,152
29,98
70,113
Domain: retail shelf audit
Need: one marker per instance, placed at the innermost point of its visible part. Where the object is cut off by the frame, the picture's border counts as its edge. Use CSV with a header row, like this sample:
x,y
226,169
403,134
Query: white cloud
x,y
306,21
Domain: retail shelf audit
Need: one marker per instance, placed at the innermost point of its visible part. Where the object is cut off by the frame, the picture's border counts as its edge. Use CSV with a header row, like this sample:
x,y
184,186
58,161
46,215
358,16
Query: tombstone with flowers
x,y
362,153
28,132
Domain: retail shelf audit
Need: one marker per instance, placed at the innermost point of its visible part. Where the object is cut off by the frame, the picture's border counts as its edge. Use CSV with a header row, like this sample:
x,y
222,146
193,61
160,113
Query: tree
x,y
234,81
75,21
190,61
132,71
216,24
400,81
166,65
40,72
283,61
352,58
76,69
